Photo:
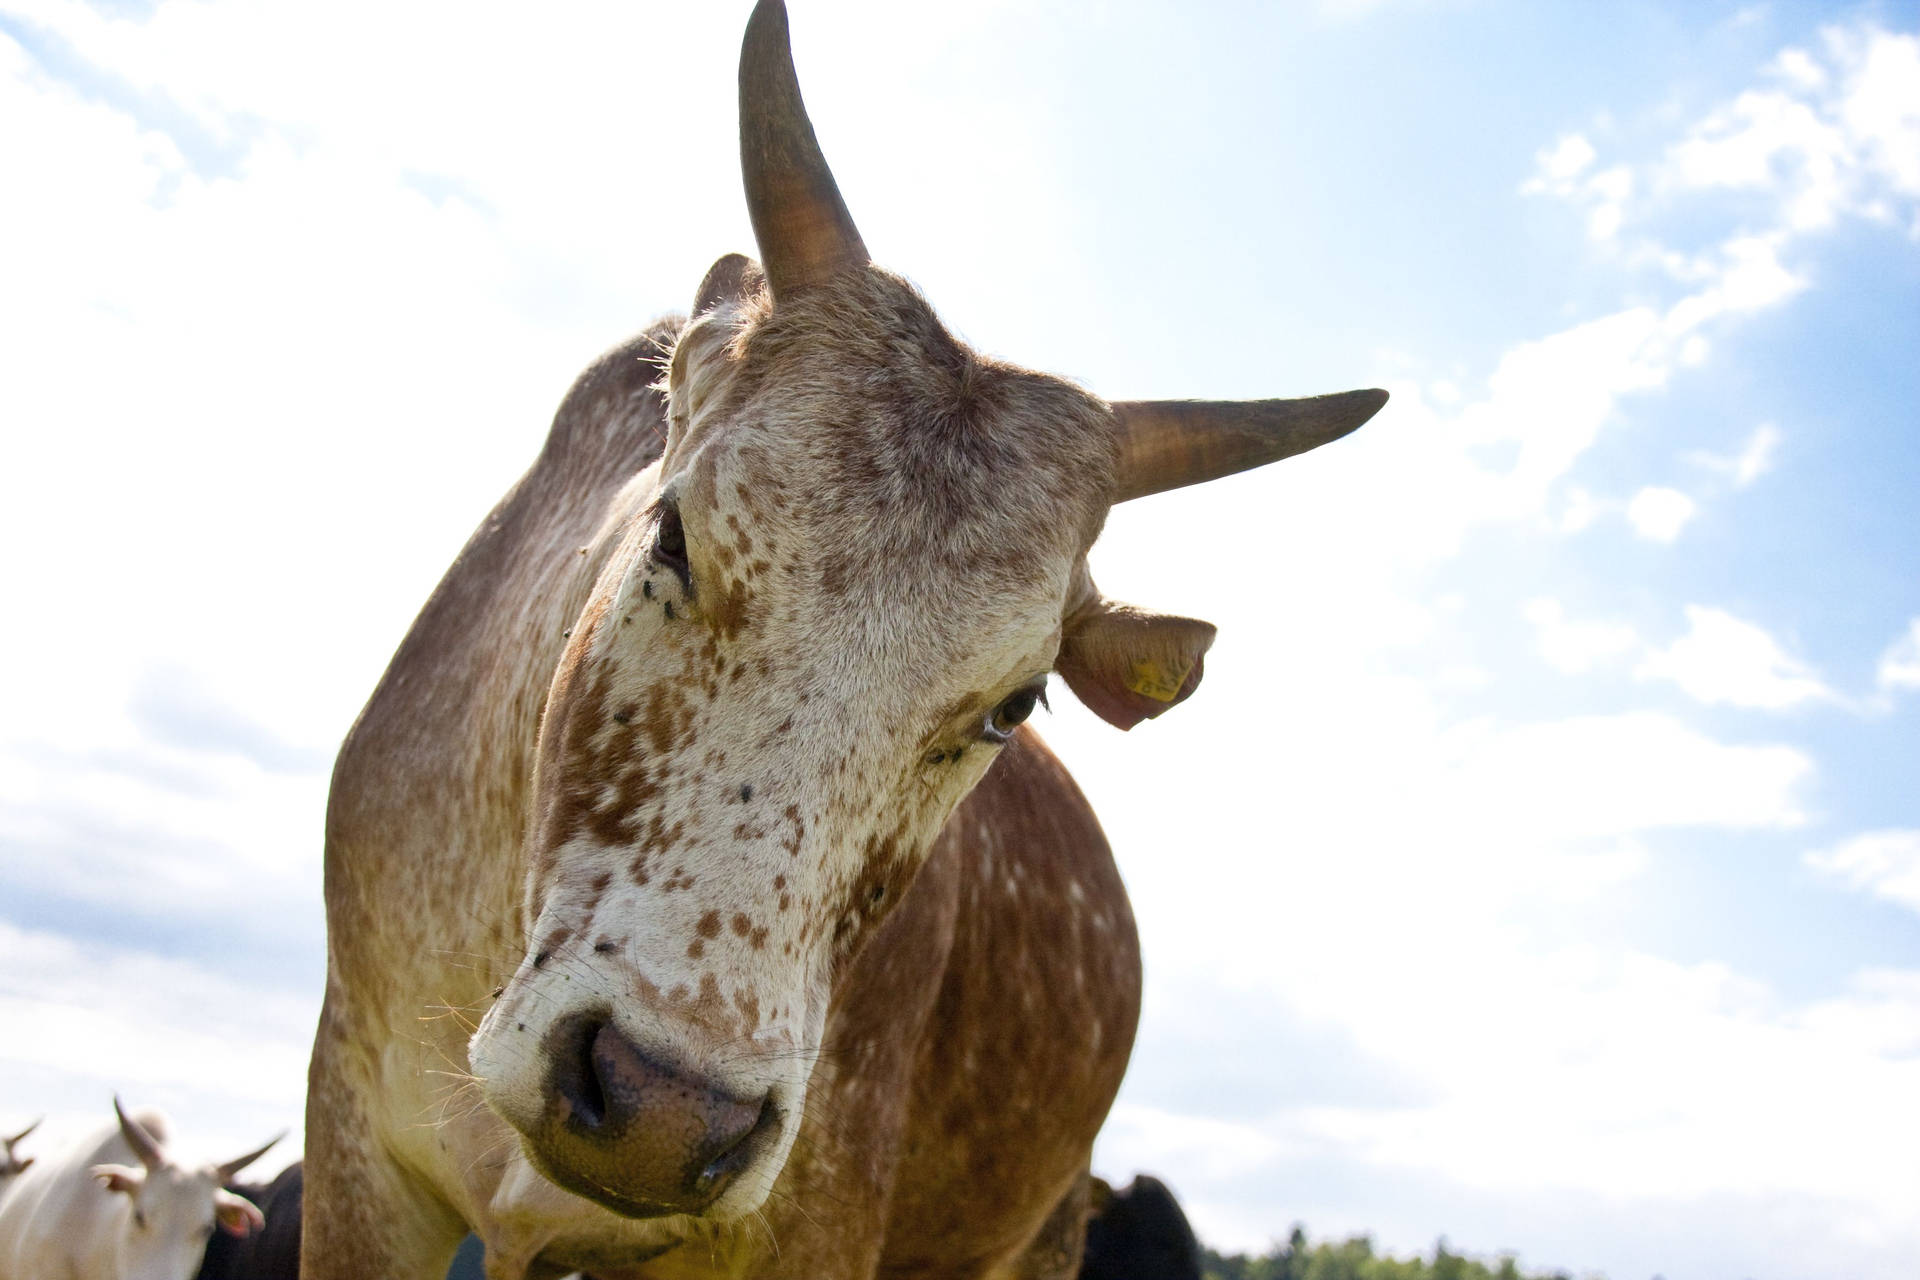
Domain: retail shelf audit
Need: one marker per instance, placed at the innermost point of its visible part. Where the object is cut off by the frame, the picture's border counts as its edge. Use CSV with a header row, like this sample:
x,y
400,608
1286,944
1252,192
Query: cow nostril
x,y
739,1153
576,1077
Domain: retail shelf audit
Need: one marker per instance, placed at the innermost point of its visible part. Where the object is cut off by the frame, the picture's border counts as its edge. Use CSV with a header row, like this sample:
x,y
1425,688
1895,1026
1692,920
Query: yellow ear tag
x,y
1149,679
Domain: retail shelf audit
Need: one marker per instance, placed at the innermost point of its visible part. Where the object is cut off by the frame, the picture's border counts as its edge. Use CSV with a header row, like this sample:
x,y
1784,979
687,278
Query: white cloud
x,y
1659,514
1900,664
1800,70
1581,510
1576,647
1563,162
1724,661
1883,863
1755,458
1562,170
1836,138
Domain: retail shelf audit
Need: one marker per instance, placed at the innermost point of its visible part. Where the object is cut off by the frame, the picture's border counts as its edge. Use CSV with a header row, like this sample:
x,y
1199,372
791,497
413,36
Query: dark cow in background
x,y
273,1253
1139,1233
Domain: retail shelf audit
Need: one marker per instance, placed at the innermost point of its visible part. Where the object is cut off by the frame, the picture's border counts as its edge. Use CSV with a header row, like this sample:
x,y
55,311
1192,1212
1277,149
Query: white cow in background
x,y
116,1208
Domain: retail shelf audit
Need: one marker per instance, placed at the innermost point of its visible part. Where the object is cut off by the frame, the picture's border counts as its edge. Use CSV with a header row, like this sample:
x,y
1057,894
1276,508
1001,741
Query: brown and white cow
x,y
812,961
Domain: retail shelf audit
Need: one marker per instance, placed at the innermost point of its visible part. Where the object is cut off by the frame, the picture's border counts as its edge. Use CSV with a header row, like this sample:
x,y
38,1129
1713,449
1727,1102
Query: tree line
x,y
1354,1259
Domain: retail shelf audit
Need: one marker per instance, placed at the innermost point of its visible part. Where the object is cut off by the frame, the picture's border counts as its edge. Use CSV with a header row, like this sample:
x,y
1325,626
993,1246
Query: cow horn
x,y
20,1136
238,1163
138,1138
1166,444
802,225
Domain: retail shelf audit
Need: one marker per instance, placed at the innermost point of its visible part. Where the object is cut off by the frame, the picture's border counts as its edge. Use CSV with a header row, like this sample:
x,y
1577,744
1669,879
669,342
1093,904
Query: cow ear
x,y
734,278
1128,664
119,1177
1099,1194
236,1214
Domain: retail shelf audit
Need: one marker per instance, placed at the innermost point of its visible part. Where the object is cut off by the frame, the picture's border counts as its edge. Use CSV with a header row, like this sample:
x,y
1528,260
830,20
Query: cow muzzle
x,y
635,1134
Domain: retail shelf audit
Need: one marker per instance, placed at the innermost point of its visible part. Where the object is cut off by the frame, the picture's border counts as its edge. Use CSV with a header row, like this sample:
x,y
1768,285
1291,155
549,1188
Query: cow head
x,y
836,595
172,1210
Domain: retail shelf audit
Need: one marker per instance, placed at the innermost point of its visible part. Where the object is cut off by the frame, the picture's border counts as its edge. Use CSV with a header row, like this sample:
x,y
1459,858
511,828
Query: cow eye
x,y
670,544
1012,713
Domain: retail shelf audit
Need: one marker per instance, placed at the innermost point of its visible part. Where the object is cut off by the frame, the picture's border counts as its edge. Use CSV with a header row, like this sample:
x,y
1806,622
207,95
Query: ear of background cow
x,y
118,1177
236,1214
1128,664
733,278
1168,444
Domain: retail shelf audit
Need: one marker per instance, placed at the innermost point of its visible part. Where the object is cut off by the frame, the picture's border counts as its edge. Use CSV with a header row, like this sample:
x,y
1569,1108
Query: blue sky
x,y
1540,864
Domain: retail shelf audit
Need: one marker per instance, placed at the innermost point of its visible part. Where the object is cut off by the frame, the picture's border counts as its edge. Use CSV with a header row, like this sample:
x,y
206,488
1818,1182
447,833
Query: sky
x,y
1539,864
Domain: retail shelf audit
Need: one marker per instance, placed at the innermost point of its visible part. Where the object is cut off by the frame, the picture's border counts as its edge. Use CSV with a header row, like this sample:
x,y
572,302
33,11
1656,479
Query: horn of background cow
x,y
20,1136
802,225
1167,444
231,1167
138,1138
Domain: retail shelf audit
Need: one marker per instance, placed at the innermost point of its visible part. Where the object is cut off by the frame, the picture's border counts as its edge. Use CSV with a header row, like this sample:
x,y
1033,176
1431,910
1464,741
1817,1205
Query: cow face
x,y
171,1211
841,590
835,596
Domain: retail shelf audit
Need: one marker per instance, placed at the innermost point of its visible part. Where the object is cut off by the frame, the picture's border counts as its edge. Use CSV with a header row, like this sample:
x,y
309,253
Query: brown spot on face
x,y
709,926
552,943
742,925
696,949
730,612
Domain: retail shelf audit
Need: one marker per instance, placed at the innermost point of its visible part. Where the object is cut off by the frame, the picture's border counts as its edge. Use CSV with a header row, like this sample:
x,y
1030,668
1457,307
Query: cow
x,y
116,1208
698,902
272,1252
1139,1233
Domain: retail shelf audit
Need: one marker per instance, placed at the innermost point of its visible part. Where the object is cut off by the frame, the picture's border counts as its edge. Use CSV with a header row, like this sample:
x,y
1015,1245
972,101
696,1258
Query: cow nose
x,y
636,1134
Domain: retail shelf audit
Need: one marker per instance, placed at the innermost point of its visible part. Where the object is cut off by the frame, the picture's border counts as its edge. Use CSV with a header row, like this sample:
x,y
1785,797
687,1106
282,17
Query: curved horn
x,y
802,225
1165,444
238,1163
22,1134
138,1138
